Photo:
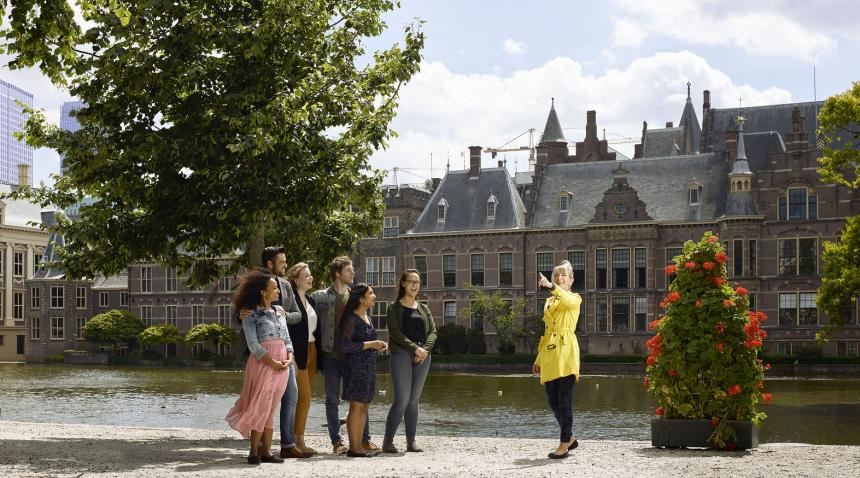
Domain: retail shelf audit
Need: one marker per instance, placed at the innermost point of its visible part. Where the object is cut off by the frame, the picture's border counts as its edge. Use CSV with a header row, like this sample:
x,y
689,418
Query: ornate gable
x,y
620,202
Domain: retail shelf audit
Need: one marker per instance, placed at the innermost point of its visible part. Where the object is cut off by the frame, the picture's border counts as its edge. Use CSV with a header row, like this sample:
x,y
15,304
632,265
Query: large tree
x,y
213,126
839,126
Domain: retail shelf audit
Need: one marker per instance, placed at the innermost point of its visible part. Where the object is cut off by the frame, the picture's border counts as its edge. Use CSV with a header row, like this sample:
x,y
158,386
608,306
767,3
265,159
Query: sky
x,y
490,69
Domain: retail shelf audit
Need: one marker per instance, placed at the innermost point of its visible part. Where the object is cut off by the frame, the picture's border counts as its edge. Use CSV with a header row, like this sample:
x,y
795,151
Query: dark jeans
x,y
408,378
333,374
288,410
559,392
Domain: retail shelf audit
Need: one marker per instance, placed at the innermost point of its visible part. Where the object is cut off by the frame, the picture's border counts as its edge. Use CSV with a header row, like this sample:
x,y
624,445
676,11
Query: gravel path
x,y
47,449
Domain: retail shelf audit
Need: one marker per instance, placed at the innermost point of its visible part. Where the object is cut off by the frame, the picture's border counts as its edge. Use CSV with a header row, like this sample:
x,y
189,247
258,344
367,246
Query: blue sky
x,y
491,67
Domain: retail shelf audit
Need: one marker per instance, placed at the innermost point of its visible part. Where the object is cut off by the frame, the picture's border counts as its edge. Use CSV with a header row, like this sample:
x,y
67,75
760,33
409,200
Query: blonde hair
x,y
563,266
292,273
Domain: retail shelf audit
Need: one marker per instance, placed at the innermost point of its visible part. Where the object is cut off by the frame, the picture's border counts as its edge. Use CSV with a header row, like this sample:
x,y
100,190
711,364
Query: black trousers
x,y
559,393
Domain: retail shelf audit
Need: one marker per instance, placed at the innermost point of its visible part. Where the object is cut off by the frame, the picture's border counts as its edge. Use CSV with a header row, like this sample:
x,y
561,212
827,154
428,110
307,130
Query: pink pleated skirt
x,y
261,392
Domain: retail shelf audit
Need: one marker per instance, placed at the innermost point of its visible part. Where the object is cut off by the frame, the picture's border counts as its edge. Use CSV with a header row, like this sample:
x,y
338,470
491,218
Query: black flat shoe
x,y
271,459
558,457
369,454
573,445
253,460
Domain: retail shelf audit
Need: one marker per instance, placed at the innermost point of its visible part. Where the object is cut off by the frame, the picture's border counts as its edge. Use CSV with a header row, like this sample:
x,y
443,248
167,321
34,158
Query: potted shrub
x,y
703,368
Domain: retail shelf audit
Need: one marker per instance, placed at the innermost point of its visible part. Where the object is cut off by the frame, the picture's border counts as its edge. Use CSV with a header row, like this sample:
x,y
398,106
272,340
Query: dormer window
x,y
694,194
442,210
491,207
563,201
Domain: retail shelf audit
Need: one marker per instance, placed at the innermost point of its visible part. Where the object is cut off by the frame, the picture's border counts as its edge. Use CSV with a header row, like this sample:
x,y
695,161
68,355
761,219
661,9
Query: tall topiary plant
x,y
703,362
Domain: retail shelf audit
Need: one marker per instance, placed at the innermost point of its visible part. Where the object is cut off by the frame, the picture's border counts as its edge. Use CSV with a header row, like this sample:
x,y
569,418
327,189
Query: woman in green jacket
x,y
411,336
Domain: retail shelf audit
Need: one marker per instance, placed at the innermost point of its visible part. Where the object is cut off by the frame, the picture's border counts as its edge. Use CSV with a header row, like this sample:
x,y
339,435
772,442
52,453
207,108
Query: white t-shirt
x,y
312,323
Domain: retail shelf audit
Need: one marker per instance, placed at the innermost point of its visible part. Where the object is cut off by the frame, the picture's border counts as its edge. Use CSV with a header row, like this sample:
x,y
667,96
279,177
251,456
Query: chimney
x,y
706,105
436,182
591,125
474,161
500,164
24,178
669,124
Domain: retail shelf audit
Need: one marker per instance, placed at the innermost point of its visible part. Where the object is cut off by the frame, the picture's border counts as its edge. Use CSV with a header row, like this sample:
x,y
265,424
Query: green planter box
x,y
678,433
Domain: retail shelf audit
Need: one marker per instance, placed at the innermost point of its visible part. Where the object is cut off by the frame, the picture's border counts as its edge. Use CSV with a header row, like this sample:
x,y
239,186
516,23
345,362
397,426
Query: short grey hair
x,y
565,266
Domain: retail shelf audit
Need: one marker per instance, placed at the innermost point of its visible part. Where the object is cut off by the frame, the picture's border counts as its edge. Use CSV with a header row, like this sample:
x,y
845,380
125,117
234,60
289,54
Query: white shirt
x,y
312,322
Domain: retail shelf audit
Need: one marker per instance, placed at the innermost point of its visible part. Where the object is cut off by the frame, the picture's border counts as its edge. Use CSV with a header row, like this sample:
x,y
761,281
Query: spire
x,y
688,93
552,131
692,130
741,164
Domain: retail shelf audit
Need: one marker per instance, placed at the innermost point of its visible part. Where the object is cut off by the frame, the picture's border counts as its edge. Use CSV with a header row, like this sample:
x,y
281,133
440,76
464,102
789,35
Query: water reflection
x,y
809,411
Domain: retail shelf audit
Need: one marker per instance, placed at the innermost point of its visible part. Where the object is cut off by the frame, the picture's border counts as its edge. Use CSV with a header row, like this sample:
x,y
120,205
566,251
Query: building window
x,y
104,299
170,284
506,268
600,268
35,297
225,349
37,260
170,314
123,299
798,257
372,272
640,309
449,270
35,332
753,244
671,254
224,315
377,315
600,314
563,202
477,321
224,284
388,271
798,204
441,210
390,226
18,305
196,315
545,262
420,263
146,314
621,268
753,300
377,264
57,328
577,262
491,207
640,260
694,195
738,254
846,349
449,312
477,268
57,293
146,279
797,308
620,314
80,323
18,264
80,297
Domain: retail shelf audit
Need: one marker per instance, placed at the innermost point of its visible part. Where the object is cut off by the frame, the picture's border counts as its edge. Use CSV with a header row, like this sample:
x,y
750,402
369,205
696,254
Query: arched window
x,y
442,210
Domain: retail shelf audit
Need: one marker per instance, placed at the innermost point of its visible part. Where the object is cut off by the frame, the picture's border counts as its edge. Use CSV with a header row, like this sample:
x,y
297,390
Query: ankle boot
x,y
412,446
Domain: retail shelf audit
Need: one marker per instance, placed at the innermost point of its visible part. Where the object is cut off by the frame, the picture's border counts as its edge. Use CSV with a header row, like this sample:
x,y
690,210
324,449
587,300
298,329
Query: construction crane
x,y
505,148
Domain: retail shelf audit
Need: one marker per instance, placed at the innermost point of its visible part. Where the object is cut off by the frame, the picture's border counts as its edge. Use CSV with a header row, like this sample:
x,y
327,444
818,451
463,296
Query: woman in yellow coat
x,y
557,361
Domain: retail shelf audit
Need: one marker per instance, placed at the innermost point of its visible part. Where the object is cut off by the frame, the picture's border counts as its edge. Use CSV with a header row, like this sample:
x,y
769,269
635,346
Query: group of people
x,y
291,333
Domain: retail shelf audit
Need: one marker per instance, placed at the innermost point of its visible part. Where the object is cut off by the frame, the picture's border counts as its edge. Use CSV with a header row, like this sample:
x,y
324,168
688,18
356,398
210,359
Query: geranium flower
x,y
730,446
714,422
712,239
690,266
698,303
670,269
650,360
767,366
740,291
673,373
728,303
708,265
766,397
762,334
735,390
646,382
673,296
748,344
755,342
719,281
720,327
653,324
720,346
659,411
721,257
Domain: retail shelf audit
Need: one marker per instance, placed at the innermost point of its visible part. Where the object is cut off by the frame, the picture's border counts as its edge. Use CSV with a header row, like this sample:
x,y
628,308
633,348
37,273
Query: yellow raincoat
x,y
558,352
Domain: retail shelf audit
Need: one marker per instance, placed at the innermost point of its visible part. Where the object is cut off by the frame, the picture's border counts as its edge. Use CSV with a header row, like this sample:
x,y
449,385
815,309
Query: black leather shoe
x,y
271,459
369,454
558,457
573,445
253,460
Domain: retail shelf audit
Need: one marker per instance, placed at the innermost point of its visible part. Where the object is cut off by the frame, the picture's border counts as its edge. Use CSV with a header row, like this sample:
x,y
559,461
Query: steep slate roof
x,y
119,281
467,203
662,142
689,117
552,131
662,184
757,119
55,240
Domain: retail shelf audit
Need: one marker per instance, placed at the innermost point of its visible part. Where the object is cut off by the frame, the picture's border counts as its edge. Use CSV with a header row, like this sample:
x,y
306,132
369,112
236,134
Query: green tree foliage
x,y
500,312
161,334
211,333
839,127
704,354
451,339
841,282
113,327
213,126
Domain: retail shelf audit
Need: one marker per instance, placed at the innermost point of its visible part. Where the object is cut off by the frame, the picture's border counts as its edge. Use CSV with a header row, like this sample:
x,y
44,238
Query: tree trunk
x,y
258,242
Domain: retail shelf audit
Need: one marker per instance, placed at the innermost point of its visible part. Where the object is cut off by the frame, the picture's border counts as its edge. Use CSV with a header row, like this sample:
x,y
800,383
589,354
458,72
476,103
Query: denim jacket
x,y
265,324
328,325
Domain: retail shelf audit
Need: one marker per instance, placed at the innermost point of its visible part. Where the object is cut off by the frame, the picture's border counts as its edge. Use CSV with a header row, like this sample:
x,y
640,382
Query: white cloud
x,y
767,27
513,47
628,34
442,112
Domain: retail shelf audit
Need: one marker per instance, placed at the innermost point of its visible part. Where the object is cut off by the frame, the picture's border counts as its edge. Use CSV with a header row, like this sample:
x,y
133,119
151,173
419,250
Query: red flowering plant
x,y
703,361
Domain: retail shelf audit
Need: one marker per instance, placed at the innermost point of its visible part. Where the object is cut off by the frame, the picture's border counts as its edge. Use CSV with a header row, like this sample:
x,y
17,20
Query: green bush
x,y
451,339
113,327
54,359
224,361
475,342
809,355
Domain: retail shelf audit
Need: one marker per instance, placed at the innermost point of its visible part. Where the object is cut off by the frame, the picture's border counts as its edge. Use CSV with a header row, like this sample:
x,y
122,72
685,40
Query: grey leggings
x,y
408,379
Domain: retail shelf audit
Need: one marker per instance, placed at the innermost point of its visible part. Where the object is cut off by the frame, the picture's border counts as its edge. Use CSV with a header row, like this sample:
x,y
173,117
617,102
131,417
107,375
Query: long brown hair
x,y
402,291
248,294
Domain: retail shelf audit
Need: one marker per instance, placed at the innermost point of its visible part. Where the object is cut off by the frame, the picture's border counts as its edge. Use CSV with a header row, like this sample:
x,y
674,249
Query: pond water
x,y
803,410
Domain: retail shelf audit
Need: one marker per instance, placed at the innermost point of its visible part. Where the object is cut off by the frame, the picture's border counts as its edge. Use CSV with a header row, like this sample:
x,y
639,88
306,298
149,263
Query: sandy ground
x,y
39,449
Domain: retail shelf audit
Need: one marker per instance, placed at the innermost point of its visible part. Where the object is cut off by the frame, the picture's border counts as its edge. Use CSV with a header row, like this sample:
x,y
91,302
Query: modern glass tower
x,y
12,117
